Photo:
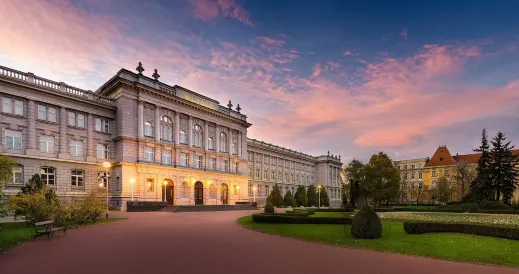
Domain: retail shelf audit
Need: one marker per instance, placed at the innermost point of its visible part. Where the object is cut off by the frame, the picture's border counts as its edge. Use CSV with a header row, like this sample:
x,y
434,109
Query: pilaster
x,y
63,154
31,129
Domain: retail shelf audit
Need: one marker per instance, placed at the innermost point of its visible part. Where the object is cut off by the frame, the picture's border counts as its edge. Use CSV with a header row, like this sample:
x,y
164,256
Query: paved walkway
x,y
207,242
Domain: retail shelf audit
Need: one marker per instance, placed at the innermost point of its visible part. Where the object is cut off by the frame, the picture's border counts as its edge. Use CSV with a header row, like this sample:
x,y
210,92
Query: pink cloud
x,y
349,52
267,41
211,9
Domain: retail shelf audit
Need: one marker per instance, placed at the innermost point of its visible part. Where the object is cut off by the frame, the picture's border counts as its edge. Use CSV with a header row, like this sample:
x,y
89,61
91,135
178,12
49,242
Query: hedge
x,y
482,230
309,210
334,210
444,210
290,219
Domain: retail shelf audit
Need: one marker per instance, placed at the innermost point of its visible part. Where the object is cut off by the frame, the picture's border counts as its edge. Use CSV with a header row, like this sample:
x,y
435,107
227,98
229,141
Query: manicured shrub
x,y
297,213
309,210
334,210
323,196
312,196
269,208
482,230
275,197
493,205
287,219
366,224
289,200
300,196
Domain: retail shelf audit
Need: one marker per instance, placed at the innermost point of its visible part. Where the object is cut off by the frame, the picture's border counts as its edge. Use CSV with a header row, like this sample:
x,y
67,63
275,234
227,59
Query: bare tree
x,y
463,176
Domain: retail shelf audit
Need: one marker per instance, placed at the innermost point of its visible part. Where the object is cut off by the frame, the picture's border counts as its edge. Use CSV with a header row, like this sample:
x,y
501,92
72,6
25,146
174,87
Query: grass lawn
x,y
12,234
453,246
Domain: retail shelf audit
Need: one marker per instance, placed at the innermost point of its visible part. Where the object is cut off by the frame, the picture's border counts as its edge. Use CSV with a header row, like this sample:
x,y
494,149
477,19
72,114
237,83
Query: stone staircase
x,y
203,208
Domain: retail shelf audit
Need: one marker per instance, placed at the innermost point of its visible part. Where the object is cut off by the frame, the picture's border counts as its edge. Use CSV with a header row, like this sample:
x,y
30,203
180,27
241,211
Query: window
x,y
102,125
257,172
251,189
13,139
166,128
102,151
273,175
225,164
446,173
412,175
183,137
212,163
280,175
150,184
419,175
223,142
258,191
46,113
211,143
412,166
198,161
48,175
77,177
12,106
235,167
198,135
434,173
249,170
250,156
405,175
184,190
267,191
148,129
47,144
76,120
166,157
149,154
234,148
183,159
405,166
266,174
76,148
15,177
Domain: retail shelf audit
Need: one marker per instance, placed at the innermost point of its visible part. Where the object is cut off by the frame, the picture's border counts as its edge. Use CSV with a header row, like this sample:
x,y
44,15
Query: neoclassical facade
x,y
164,143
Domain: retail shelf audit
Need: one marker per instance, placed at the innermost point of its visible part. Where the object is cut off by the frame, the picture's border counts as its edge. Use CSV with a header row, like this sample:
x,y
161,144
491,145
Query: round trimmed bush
x,y
493,205
366,224
269,208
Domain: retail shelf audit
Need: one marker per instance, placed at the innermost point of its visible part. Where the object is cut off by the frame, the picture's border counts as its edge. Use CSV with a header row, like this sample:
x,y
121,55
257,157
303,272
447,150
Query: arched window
x,y
183,137
184,190
211,143
212,191
148,129
166,128
198,135
234,148
223,142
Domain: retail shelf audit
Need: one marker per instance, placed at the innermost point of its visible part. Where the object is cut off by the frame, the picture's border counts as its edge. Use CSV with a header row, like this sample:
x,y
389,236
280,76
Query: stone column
x,y
217,130
140,120
206,136
31,129
239,144
62,154
190,131
177,127
157,123
91,157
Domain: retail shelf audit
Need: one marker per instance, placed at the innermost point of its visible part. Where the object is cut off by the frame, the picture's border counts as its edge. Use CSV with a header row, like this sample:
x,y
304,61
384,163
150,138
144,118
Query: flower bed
x,y
482,230
455,218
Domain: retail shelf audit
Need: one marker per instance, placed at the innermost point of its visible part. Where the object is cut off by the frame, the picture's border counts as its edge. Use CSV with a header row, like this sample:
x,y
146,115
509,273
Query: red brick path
x,y
208,242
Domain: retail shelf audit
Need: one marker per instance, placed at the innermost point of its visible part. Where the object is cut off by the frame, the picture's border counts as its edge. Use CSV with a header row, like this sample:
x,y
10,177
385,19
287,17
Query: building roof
x,y
442,157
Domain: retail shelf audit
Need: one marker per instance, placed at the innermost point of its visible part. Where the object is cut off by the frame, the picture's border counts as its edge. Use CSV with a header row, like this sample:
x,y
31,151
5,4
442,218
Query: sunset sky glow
x,y
351,77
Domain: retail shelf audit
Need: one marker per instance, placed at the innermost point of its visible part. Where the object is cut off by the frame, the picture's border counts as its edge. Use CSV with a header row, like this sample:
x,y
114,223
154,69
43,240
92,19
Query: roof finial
x,y
229,105
328,153
139,68
156,75
238,108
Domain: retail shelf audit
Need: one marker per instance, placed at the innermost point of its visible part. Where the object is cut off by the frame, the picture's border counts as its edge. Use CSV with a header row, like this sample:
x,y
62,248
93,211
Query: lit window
x,y
102,151
13,139
76,148
183,137
148,129
77,177
150,184
183,159
47,144
149,154
166,157
48,175
102,125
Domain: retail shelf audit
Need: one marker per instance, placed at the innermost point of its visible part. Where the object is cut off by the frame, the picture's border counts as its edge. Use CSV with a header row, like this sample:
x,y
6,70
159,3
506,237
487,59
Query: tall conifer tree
x,y
503,168
481,187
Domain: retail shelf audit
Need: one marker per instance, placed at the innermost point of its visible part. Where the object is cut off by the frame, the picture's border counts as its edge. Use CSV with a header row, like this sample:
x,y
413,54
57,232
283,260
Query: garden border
x,y
481,230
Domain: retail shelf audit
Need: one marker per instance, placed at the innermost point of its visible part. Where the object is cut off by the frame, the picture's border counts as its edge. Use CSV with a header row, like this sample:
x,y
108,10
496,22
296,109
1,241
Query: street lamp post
x,y
132,182
164,183
106,165
254,192
319,192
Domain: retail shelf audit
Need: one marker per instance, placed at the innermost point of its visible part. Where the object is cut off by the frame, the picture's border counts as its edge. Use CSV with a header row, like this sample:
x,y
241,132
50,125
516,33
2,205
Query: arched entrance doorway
x,y
224,194
169,191
199,193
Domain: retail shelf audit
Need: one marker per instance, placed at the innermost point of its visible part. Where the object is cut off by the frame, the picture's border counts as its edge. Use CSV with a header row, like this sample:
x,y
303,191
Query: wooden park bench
x,y
47,228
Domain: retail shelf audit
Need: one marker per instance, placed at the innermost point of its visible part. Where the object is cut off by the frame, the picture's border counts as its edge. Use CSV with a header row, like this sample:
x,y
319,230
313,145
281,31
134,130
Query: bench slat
x,y
44,223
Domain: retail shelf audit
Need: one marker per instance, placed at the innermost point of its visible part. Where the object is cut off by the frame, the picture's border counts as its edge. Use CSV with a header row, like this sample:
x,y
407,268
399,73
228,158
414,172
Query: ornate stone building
x,y
163,142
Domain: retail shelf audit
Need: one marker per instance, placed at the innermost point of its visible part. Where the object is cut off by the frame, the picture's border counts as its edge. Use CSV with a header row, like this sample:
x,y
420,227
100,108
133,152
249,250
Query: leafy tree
x,y
6,171
381,181
443,190
289,199
323,196
463,175
35,184
34,207
275,196
300,196
481,187
344,195
312,196
355,174
503,168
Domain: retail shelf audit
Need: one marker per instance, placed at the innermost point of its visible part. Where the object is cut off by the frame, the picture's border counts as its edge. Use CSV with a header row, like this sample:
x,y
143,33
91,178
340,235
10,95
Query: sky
x,y
349,77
